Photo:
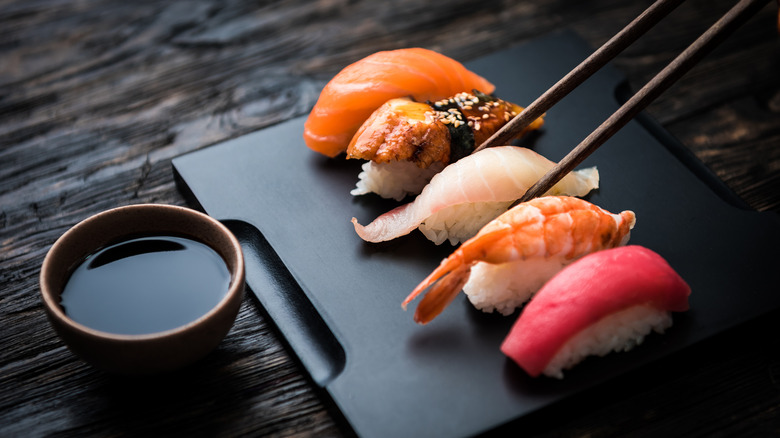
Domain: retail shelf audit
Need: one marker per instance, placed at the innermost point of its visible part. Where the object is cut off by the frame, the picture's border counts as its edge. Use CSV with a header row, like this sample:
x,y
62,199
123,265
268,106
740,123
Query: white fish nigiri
x,y
468,194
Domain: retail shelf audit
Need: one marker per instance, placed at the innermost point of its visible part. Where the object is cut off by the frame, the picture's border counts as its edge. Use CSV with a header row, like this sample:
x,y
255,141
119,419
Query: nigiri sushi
x,y
518,252
606,301
360,88
407,142
470,193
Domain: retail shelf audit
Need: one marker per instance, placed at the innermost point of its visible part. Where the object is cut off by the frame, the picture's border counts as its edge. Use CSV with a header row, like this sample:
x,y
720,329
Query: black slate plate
x,y
337,299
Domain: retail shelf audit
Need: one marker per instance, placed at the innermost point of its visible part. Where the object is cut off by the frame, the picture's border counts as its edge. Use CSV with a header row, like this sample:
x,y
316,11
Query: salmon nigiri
x,y
360,88
521,249
470,193
606,301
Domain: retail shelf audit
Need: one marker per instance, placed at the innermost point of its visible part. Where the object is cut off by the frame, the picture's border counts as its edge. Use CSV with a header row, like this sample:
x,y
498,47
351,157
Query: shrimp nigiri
x,y
518,252
606,301
407,142
470,193
360,88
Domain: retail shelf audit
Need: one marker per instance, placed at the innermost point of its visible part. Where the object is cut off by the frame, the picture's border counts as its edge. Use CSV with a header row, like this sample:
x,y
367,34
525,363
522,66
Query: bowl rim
x,y
50,297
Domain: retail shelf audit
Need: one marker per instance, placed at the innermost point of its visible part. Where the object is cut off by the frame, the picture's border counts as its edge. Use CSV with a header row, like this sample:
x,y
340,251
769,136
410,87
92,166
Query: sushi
x,y
360,88
518,252
606,301
407,142
468,194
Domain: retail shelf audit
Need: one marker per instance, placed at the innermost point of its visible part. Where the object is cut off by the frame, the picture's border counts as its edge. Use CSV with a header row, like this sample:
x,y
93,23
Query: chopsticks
x,y
735,17
583,71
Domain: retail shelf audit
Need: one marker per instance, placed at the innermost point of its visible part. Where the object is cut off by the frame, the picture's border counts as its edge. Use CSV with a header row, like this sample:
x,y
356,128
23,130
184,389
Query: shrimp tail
x,y
451,263
441,294
452,274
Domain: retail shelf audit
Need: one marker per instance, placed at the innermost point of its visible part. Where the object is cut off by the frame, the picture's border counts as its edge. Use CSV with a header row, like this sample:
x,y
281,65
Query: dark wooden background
x,y
96,97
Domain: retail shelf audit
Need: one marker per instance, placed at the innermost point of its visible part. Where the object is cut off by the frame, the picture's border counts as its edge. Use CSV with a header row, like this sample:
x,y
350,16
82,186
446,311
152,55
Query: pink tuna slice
x,y
586,291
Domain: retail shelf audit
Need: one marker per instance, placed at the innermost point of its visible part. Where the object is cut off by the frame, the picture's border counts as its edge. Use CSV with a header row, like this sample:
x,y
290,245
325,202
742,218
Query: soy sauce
x,y
146,285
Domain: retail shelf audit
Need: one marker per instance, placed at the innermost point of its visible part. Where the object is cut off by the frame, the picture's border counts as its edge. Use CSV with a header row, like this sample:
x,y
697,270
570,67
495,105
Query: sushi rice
x,y
394,179
449,223
504,287
619,332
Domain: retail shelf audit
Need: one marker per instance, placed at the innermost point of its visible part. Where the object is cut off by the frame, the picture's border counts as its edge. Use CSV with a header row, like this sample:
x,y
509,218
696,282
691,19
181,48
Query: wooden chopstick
x,y
735,17
583,71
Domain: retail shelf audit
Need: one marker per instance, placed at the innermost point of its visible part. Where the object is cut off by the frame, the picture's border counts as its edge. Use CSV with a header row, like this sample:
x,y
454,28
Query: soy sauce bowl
x,y
150,353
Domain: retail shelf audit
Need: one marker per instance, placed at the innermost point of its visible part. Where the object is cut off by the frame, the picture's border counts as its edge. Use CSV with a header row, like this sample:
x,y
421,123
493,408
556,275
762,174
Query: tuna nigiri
x,y
407,142
606,301
528,244
470,193
360,88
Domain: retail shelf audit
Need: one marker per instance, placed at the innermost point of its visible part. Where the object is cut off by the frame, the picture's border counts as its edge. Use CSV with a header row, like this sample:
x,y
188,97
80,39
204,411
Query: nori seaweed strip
x,y
461,136
461,141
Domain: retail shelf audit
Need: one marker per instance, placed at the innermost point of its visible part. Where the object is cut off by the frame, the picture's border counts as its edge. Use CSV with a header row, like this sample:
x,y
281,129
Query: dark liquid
x,y
146,285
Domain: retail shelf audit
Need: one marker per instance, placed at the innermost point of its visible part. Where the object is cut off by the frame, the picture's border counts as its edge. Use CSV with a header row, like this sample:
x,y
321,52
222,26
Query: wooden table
x,y
97,97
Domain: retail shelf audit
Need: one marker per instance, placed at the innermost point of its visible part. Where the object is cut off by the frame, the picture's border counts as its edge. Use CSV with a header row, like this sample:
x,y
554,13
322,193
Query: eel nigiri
x,y
527,245
407,142
360,88
470,193
606,301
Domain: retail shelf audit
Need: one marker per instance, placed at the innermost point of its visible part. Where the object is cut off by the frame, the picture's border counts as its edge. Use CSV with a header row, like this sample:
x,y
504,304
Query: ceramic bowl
x,y
147,353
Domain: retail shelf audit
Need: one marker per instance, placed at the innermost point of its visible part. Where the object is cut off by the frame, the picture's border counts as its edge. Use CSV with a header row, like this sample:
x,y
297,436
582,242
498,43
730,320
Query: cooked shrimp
x,y
546,233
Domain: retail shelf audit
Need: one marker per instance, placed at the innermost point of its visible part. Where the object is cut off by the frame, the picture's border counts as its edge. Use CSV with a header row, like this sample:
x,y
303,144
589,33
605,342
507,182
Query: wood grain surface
x,y
97,97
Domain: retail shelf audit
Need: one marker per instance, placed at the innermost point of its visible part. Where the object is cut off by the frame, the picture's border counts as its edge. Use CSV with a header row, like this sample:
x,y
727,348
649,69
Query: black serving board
x,y
337,299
